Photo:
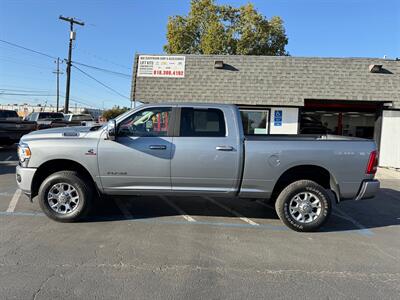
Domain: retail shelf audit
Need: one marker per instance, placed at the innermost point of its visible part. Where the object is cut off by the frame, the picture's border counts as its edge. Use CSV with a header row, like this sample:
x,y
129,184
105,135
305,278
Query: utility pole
x,y
72,36
58,81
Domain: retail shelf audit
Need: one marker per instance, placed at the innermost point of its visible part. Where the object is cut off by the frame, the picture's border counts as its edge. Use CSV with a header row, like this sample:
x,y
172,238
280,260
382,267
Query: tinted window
x,y
82,118
50,115
147,122
202,122
8,114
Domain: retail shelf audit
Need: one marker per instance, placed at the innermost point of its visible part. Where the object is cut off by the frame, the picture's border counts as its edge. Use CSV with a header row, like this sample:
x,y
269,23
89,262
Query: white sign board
x,y
161,66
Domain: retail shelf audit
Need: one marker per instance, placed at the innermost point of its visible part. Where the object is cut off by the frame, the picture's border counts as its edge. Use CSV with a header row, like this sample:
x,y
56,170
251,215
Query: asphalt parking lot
x,y
163,248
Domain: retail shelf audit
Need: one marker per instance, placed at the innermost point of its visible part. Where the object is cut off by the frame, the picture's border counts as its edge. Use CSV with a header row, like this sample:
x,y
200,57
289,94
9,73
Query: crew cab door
x,y
140,157
207,154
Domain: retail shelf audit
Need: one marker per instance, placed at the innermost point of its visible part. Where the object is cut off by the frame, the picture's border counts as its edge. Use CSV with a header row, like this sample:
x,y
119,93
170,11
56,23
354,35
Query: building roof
x,y
274,80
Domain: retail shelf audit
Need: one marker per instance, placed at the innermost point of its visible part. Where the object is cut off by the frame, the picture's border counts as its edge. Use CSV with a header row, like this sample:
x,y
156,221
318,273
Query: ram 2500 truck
x,y
194,149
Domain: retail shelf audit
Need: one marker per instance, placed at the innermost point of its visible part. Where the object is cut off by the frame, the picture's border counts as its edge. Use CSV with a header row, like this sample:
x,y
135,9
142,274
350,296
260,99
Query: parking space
x,y
172,247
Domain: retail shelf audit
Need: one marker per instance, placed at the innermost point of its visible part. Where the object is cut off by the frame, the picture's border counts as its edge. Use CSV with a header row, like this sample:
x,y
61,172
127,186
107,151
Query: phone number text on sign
x,y
161,66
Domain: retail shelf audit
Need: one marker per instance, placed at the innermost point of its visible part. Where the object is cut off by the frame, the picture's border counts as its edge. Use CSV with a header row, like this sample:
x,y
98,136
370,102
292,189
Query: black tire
x,y
83,189
283,201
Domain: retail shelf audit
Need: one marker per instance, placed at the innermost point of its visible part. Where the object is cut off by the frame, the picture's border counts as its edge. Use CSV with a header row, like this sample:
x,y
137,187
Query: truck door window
x,y
147,122
202,122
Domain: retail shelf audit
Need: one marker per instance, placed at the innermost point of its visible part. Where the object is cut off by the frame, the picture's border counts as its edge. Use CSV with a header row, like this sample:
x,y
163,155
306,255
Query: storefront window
x,y
254,121
357,124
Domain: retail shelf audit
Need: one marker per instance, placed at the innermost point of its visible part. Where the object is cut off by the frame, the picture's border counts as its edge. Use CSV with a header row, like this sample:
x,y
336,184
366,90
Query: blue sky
x,y
115,30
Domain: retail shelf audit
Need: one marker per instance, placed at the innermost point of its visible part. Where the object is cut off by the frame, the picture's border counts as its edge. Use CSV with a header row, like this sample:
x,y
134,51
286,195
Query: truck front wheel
x,y
303,205
65,197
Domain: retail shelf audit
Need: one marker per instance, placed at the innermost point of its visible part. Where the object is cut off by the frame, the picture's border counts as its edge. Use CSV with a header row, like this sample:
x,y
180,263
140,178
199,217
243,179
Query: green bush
x,y
114,112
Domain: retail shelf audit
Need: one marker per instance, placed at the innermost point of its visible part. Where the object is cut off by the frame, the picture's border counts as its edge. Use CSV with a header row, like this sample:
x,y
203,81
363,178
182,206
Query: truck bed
x,y
302,137
268,157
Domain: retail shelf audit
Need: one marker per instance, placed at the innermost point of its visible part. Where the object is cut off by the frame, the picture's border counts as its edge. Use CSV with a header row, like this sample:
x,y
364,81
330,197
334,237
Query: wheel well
x,y
52,166
311,172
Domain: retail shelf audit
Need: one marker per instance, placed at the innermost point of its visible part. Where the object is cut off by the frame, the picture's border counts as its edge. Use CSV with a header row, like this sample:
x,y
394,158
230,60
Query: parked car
x,y
194,149
46,120
80,119
12,127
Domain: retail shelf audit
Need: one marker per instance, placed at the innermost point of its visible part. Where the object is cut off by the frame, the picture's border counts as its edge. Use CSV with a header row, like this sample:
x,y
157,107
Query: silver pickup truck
x,y
194,149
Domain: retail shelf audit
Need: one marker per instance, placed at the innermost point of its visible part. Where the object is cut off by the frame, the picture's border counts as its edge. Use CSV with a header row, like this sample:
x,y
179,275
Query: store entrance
x,y
347,118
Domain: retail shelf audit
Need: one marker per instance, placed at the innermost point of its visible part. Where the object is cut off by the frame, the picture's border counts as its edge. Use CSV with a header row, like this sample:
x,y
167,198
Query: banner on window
x,y
161,66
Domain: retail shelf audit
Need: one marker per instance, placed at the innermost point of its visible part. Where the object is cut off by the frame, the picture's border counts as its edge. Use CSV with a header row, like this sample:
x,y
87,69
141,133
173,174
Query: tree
x,y
114,112
223,29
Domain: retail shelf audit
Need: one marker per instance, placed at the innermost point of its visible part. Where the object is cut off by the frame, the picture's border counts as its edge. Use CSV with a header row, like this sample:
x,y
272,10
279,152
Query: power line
x,y
92,55
28,49
25,94
44,95
101,83
78,63
8,60
22,90
102,69
81,102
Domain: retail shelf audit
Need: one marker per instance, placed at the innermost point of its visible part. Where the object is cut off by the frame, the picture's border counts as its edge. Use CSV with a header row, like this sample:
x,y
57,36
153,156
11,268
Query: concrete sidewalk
x,y
384,173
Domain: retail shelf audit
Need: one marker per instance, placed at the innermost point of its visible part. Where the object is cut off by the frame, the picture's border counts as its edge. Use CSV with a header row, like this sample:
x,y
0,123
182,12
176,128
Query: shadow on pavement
x,y
7,169
381,211
146,207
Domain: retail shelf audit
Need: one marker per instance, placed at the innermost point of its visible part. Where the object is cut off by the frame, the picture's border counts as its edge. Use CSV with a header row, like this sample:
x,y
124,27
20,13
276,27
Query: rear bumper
x,y
24,177
368,189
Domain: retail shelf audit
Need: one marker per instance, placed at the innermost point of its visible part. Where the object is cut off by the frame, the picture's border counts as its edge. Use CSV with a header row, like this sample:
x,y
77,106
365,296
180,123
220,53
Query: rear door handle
x,y
224,148
157,147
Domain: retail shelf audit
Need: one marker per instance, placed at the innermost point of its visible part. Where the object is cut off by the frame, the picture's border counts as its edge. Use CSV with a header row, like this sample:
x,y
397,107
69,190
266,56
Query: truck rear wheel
x,y
303,205
65,197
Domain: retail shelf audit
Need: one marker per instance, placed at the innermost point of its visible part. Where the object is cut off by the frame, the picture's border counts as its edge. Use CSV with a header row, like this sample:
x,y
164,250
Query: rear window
x,y
50,115
82,118
202,122
8,114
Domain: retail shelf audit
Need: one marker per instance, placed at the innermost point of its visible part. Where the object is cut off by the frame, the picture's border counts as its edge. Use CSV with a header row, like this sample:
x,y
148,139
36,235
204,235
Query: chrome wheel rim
x,y
63,198
305,207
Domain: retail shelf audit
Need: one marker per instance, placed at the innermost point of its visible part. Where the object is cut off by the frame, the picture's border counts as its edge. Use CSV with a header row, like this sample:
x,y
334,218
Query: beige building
x,y
357,97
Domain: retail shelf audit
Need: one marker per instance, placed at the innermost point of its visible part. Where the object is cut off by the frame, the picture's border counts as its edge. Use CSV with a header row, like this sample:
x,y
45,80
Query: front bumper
x,y
368,189
24,177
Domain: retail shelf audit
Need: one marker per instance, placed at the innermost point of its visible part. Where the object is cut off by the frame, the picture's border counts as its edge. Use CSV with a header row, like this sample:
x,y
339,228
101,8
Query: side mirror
x,y
112,130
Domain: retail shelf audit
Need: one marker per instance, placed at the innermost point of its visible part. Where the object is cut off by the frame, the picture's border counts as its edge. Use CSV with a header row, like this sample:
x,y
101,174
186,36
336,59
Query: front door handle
x,y
224,148
157,147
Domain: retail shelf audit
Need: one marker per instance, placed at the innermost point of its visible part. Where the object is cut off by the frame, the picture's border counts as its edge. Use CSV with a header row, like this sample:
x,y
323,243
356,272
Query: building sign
x,y
277,118
161,66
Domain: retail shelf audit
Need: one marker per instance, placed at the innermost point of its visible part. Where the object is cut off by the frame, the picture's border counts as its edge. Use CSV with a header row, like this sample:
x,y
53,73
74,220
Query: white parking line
x,y
9,162
178,209
341,214
233,212
122,207
14,201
